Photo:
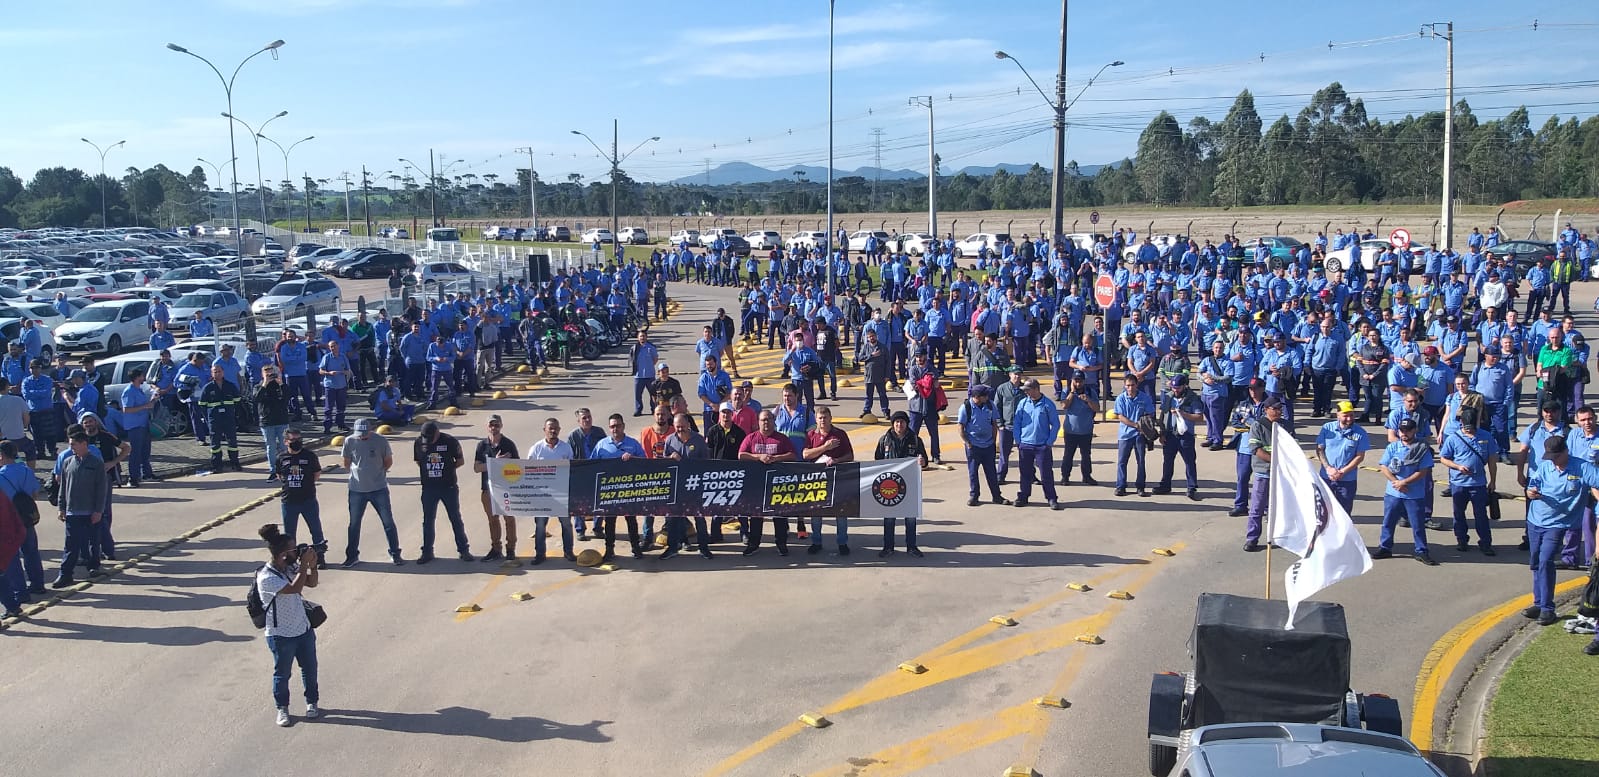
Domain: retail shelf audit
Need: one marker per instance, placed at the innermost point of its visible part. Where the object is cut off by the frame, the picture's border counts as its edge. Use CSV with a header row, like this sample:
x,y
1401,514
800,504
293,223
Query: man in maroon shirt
x,y
828,444
766,446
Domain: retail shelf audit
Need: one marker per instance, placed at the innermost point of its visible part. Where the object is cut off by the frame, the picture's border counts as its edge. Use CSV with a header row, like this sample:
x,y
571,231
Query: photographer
x,y
289,633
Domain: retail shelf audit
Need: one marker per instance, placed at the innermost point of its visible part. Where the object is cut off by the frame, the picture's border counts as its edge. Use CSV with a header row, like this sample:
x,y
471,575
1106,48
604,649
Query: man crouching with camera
x,y
290,621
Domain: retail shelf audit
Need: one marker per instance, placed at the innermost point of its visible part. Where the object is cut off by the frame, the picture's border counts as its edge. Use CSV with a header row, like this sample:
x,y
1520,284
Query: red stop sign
x,y
1104,290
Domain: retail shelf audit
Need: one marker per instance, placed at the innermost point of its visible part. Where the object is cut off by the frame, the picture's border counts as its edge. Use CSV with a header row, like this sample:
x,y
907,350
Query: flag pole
x,y
1271,507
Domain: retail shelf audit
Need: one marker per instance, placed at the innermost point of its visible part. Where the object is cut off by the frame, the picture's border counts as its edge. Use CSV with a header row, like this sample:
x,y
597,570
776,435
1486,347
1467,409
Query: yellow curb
x,y
912,667
1122,595
469,607
521,596
1057,702
1003,620
1090,639
815,721
1079,587
1168,552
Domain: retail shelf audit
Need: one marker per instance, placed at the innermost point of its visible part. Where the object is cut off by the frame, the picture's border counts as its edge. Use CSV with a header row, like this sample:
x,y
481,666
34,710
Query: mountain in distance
x,y
743,172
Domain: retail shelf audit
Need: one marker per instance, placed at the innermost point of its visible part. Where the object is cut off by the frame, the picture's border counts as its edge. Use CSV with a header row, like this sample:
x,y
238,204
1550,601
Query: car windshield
x,y
194,301
290,289
97,314
175,275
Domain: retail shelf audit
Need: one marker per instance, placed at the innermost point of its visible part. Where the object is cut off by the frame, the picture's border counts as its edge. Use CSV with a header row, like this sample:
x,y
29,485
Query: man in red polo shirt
x,y
828,444
767,446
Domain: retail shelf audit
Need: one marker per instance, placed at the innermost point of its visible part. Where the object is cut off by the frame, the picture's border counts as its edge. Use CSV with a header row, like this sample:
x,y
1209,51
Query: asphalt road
x,y
688,666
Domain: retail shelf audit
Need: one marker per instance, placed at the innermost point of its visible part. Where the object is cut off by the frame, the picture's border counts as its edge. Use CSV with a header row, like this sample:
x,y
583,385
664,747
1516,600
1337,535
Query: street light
x,y
217,169
433,197
260,182
1059,105
103,152
285,151
616,162
227,88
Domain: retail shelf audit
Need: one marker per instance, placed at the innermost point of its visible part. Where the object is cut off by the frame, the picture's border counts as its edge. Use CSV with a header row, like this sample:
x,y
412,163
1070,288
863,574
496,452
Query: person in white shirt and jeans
x,y
292,569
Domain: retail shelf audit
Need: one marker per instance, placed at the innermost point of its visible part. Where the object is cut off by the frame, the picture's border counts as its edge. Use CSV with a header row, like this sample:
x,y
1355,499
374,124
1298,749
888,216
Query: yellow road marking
x,y
951,660
936,748
500,576
1446,655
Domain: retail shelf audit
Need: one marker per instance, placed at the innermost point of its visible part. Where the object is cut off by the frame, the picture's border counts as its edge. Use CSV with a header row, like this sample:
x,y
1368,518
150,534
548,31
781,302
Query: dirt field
x,y
1516,219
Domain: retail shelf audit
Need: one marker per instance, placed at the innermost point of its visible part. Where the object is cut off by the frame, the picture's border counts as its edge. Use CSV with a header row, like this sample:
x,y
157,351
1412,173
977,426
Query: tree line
x,y
1331,152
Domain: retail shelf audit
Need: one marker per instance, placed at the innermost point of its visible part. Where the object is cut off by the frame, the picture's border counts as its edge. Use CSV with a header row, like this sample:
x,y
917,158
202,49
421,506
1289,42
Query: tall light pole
x,y
285,151
616,163
255,135
932,167
433,201
233,151
217,169
532,190
1449,127
1059,105
102,153
830,247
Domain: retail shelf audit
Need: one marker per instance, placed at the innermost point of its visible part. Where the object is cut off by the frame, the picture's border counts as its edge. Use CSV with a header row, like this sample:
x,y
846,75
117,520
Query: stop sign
x,y
1104,290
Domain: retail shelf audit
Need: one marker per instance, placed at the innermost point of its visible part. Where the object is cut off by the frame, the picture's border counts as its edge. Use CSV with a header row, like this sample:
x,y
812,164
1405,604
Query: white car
x,y
857,241
686,236
106,327
11,329
444,272
634,236
1162,243
498,233
764,240
598,235
917,243
222,307
1338,261
708,237
296,297
1298,750
273,250
330,232
806,240
973,244
80,285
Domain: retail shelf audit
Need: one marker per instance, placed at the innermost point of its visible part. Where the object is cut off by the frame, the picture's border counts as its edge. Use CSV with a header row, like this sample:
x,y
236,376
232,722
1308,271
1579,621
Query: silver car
x,y
1299,750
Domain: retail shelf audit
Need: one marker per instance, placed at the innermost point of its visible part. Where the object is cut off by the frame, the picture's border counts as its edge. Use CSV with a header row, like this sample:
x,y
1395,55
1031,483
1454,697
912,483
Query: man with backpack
x,y
927,401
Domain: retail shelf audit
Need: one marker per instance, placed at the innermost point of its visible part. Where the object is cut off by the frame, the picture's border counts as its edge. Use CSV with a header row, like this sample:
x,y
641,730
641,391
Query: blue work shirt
x,y
1471,452
1037,422
1340,446
610,449
1131,407
339,364
292,358
1403,461
1560,492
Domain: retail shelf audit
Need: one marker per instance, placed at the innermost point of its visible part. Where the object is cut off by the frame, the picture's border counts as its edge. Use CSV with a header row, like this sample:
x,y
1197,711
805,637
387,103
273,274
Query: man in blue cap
x,y
1407,464
1180,414
978,420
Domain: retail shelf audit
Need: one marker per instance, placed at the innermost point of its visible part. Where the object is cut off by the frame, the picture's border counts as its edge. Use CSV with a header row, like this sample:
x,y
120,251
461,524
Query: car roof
x,y
1306,750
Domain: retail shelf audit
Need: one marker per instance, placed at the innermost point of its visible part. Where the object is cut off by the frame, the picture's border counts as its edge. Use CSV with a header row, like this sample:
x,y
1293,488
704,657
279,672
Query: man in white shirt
x,y
552,447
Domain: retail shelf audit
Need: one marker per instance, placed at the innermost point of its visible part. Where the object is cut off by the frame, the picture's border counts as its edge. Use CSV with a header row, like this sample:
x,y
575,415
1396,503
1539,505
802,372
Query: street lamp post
x,y
233,151
289,209
216,169
830,247
433,200
616,163
102,153
1059,105
255,136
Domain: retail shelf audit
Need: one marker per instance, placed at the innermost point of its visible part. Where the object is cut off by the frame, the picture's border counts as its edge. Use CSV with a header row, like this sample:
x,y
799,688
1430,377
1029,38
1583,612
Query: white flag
x,y
1307,521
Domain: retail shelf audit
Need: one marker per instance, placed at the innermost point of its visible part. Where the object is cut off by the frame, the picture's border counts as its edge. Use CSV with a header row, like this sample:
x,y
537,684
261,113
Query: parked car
x,y
333,232
764,240
1524,253
634,236
73,285
975,243
222,307
559,235
296,297
444,272
1162,243
709,236
11,329
499,233
44,314
857,241
806,240
106,327
376,265
272,250
916,243
736,245
327,263
598,235
688,237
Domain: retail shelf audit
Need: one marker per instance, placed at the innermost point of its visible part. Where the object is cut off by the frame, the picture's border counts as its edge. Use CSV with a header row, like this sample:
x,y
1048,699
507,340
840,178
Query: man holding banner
x,y
766,446
828,445
617,445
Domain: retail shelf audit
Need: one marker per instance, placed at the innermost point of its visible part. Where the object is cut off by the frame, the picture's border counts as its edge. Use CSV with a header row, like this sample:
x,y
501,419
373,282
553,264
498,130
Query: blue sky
x,y
725,81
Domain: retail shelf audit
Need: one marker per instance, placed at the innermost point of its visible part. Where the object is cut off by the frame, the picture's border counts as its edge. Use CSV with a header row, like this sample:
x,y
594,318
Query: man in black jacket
x,y
272,402
723,440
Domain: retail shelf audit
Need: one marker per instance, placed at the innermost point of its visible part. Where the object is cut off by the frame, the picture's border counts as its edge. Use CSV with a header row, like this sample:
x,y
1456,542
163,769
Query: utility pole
x,y
433,189
307,203
877,169
1449,128
830,247
532,188
707,163
366,200
349,224
1057,205
932,167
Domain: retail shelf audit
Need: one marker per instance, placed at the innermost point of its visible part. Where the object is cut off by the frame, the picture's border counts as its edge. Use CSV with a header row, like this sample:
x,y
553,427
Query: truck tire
x,y
1162,759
